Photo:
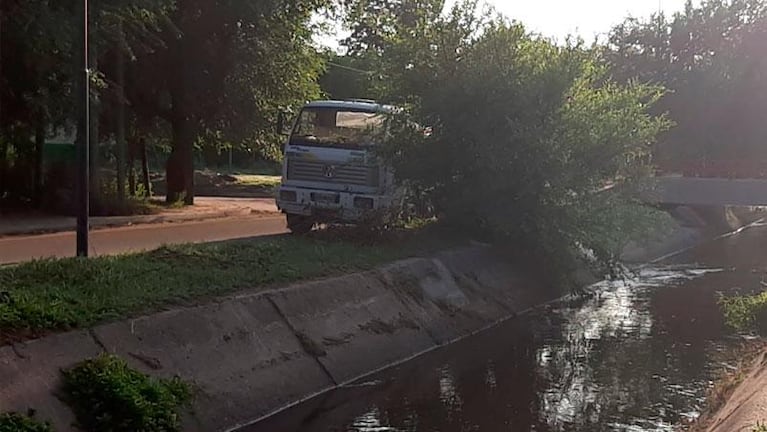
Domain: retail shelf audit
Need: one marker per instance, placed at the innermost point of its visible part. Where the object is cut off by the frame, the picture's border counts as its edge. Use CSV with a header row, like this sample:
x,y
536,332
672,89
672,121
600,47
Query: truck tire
x,y
299,224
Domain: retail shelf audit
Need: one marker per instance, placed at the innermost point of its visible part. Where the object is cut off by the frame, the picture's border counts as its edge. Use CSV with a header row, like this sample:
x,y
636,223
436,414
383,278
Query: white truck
x,y
330,172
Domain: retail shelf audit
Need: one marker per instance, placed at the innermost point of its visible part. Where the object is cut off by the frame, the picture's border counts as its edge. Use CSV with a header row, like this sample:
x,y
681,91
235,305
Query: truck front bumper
x,y
328,205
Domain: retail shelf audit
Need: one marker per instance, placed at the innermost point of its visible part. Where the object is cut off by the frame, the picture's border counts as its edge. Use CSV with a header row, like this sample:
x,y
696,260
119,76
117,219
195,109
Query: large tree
x,y
713,59
39,40
213,71
225,70
525,134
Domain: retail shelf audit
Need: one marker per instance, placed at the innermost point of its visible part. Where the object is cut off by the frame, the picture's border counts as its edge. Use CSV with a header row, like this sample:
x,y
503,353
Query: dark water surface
x,y
639,356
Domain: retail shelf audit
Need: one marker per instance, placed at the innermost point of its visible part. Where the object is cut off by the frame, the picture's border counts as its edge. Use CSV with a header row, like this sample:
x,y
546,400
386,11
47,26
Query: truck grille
x,y
317,171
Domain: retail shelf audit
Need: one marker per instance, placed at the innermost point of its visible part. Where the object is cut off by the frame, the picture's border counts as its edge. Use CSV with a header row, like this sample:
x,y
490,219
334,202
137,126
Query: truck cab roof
x,y
351,104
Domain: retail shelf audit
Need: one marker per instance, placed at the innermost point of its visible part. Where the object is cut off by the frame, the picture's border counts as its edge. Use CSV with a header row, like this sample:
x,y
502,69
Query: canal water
x,y
638,355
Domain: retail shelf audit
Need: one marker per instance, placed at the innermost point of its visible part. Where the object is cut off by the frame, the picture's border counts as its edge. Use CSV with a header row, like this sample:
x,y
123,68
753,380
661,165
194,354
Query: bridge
x,y
700,191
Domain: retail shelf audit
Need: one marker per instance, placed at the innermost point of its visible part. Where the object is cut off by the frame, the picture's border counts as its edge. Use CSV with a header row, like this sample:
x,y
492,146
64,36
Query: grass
x,y
261,181
107,395
760,427
53,295
13,422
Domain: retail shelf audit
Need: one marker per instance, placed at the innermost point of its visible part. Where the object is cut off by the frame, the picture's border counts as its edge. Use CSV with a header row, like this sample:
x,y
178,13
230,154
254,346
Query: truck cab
x,y
330,171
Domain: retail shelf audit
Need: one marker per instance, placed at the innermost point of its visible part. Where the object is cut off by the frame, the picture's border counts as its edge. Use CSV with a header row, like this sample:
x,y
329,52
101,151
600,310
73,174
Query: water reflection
x,y
595,363
638,355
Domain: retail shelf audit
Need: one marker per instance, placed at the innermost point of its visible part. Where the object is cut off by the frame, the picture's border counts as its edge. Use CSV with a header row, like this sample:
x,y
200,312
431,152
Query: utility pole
x,y
83,135
121,116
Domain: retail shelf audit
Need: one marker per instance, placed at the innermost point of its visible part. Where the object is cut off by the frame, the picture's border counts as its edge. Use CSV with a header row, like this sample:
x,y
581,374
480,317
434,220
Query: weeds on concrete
x,y
745,313
14,422
54,295
106,395
760,427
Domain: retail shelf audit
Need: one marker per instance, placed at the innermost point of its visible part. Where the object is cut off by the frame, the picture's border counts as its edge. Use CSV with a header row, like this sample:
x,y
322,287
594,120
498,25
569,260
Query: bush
x,y
525,136
14,422
107,395
746,313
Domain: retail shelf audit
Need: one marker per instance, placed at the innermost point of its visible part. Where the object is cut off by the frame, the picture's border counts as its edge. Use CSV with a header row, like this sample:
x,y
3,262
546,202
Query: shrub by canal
x,y
106,395
746,313
52,295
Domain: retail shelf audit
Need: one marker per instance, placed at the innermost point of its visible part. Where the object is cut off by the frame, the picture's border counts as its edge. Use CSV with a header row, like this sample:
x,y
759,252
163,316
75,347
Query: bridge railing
x,y
734,168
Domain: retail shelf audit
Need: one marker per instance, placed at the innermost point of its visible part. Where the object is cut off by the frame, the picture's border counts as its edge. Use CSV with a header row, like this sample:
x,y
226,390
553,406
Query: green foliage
x,y
61,294
197,72
712,58
108,396
744,313
527,135
14,422
760,427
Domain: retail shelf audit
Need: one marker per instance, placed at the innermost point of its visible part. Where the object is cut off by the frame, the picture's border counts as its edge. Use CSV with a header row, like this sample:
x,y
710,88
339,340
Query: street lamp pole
x,y
83,137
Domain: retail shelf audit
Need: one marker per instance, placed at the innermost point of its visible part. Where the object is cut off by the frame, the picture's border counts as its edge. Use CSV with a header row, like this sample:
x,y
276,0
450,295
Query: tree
x,y
34,90
215,71
525,134
711,59
39,38
226,66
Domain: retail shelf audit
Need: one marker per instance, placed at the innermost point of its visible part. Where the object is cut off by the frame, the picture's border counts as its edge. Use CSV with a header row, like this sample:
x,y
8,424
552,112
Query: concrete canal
x,y
637,355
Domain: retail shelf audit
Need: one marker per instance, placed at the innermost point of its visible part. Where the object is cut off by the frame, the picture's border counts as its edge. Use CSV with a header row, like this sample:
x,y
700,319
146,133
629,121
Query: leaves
x,y
108,396
526,134
711,57
14,422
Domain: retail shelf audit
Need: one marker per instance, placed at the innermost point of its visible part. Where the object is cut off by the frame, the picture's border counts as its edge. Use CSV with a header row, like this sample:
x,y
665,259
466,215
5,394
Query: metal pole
x,y
121,117
83,139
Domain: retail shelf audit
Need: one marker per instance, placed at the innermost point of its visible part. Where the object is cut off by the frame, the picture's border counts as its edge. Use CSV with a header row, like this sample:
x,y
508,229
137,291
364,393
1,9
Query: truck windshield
x,y
333,127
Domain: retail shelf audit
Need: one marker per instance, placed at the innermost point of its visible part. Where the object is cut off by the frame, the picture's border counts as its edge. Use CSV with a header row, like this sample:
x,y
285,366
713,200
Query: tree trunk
x,y
145,168
3,164
131,177
174,176
39,148
180,165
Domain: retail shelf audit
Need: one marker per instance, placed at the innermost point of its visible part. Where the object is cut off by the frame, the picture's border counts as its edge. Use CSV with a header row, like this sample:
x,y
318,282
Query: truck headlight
x,y
288,195
363,203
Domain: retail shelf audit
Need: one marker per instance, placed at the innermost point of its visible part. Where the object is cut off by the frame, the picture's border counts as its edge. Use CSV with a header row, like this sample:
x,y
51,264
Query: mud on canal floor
x,y
638,355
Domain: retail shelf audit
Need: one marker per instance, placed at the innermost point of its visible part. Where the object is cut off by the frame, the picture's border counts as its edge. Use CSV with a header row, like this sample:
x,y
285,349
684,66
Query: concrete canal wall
x,y
250,355
687,227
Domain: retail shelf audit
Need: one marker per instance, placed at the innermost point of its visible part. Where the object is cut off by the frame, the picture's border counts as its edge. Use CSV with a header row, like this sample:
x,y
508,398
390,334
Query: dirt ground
x,y
211,183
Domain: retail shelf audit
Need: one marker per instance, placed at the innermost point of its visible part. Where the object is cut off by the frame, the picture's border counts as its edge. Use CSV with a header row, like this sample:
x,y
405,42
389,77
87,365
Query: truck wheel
x,y
299,224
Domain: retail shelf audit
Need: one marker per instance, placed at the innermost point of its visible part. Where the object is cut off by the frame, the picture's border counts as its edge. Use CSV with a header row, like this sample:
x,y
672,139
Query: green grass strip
x,y
54,295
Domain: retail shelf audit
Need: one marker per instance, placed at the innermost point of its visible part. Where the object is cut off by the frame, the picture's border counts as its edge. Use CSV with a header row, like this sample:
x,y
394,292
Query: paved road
x,y
131,239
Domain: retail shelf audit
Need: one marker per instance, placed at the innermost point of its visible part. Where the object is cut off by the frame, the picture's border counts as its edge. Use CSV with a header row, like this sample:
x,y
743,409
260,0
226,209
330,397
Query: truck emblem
x,y
330,171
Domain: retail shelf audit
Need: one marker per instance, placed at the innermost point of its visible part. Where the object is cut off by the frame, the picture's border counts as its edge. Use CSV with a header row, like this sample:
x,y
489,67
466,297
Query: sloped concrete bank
x,y
743,407
689,226
255,353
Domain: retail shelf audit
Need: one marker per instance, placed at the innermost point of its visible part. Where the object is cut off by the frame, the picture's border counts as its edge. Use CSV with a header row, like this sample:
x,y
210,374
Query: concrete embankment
x,y
745,407
250,355
687,227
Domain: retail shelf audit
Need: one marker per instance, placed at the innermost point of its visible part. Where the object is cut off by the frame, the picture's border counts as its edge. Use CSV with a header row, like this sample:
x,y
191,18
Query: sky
x,y
587,18
559,18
